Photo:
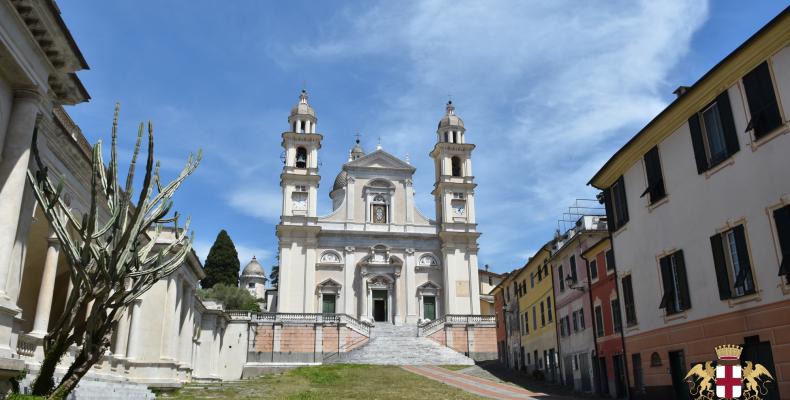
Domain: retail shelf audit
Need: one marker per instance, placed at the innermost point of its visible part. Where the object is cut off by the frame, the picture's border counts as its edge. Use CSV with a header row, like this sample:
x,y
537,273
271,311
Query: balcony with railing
x,y
301,318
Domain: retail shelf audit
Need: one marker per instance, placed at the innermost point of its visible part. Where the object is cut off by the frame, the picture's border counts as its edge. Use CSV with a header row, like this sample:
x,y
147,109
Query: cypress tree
x,y
222,263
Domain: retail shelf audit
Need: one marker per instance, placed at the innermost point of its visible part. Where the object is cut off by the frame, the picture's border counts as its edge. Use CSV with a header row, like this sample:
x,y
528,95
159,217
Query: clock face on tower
x,y
299,201
458,208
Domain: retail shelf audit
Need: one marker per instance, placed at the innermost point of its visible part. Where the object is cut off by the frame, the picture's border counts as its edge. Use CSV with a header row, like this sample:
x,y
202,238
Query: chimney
x,y
681,90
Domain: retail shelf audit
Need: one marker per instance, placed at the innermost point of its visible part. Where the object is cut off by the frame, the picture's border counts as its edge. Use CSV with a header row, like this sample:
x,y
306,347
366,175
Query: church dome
x,y
302,107
340,180
253,269
450,119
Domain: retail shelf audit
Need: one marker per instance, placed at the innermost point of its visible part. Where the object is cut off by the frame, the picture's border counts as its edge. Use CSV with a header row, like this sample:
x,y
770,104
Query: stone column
x,y
409,201
474,283
411,299
390,311
397,287
170,323
121,336
186,327
132,351
47,288
349,270
13,171
350,197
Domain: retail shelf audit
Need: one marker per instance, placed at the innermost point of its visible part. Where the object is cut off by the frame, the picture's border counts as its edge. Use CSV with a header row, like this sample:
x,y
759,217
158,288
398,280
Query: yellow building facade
x,y
537,316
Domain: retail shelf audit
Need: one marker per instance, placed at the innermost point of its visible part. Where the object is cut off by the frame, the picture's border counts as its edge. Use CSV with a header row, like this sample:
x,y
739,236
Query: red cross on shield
x,y
728,381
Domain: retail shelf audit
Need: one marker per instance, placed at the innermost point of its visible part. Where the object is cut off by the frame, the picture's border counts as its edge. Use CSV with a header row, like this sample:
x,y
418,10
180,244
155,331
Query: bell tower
x,y
454,196
298,228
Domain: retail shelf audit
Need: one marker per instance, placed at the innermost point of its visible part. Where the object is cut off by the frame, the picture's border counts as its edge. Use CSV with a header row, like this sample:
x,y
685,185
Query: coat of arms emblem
x,y
728,379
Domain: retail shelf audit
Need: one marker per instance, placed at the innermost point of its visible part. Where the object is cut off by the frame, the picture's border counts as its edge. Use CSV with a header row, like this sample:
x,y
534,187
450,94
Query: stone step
x,y
400,345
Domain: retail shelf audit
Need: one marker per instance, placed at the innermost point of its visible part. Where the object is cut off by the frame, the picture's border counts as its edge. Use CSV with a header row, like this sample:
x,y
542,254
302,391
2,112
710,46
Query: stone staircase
x,y
91,388
400,345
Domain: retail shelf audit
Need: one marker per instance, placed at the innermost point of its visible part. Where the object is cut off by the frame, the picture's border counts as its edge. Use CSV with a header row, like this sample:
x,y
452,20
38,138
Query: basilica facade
x,y
376,257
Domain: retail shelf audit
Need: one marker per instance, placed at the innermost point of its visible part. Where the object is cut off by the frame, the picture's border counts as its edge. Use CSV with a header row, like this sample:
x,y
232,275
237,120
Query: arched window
x,y
447,137
301,157
456,166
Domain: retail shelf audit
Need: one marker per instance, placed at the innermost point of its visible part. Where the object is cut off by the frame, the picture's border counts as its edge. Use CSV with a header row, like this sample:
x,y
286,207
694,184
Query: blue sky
x,y
548,91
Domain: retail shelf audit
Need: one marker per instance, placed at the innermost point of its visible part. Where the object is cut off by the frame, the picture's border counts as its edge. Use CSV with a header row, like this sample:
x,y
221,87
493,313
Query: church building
x,y
376,257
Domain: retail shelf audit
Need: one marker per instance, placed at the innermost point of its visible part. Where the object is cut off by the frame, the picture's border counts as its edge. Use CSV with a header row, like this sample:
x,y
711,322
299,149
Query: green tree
x,y
222,263
274,276
234,298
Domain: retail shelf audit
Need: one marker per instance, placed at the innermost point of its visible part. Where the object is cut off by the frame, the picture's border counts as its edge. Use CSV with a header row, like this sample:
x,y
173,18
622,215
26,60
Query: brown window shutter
x,y
765,116
680,269
698,144
722,278
666,280
782,220
728,123
743,258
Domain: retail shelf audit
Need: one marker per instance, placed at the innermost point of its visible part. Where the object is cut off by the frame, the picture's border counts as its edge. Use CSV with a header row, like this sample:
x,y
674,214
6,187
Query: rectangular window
x,y
636,361
655,179
616,205
542,315
617,320
562,279
763,106
731,260
562,327
581,319
782,221
628,299
534,317
713,134
598,321
529,358
572,267
673,276
576,362
328,303
532,280
575,322
548,308
526,323
593,269
458,195
610,260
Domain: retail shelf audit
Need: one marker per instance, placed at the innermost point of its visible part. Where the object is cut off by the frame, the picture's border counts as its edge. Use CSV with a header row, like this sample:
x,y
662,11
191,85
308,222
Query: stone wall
x,y
477,342
302,343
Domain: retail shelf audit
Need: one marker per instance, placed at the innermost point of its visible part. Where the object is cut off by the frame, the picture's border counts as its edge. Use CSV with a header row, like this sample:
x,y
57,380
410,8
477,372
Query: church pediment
x,y
381,159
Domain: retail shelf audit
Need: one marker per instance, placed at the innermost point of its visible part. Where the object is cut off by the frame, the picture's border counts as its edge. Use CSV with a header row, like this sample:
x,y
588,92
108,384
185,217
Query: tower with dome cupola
x,y
298,228
454,195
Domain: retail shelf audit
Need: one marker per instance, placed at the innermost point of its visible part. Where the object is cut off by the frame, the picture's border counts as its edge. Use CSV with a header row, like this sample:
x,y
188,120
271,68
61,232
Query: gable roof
x,y
380,159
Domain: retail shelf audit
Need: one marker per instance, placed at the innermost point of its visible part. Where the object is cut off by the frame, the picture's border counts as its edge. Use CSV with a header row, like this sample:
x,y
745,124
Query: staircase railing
x,y
360,327
431,327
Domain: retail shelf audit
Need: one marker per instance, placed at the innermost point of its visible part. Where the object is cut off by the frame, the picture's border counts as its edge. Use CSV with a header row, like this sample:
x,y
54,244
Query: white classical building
x,y
375,256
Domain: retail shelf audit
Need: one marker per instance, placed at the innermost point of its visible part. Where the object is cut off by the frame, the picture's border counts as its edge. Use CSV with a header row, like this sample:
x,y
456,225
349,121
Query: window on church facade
x,y
378,210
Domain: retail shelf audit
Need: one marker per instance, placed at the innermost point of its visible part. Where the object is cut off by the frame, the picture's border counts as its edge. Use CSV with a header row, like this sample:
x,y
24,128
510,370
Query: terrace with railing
x,y
301,318
430,327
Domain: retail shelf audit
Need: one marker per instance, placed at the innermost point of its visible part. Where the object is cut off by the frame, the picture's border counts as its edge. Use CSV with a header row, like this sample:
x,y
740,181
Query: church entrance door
x,y
429,304
379,305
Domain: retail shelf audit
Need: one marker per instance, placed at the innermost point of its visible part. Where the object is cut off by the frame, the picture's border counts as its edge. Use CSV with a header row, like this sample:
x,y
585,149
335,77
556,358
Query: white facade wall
x,y
742,190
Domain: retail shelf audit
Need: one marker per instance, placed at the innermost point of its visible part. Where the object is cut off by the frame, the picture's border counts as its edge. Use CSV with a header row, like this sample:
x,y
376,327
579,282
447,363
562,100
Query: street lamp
x,y
571,283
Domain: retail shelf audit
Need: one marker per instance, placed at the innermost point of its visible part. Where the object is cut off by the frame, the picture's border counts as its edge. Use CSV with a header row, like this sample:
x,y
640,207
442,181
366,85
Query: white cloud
x,y
257,202
548,91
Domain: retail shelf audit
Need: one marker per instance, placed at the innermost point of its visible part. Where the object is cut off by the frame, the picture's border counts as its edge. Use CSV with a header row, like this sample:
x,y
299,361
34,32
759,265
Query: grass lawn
x,y
326,382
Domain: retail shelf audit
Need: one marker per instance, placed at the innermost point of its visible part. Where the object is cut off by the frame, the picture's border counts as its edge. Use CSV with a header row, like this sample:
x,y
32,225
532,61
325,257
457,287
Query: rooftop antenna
x,y
378,146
